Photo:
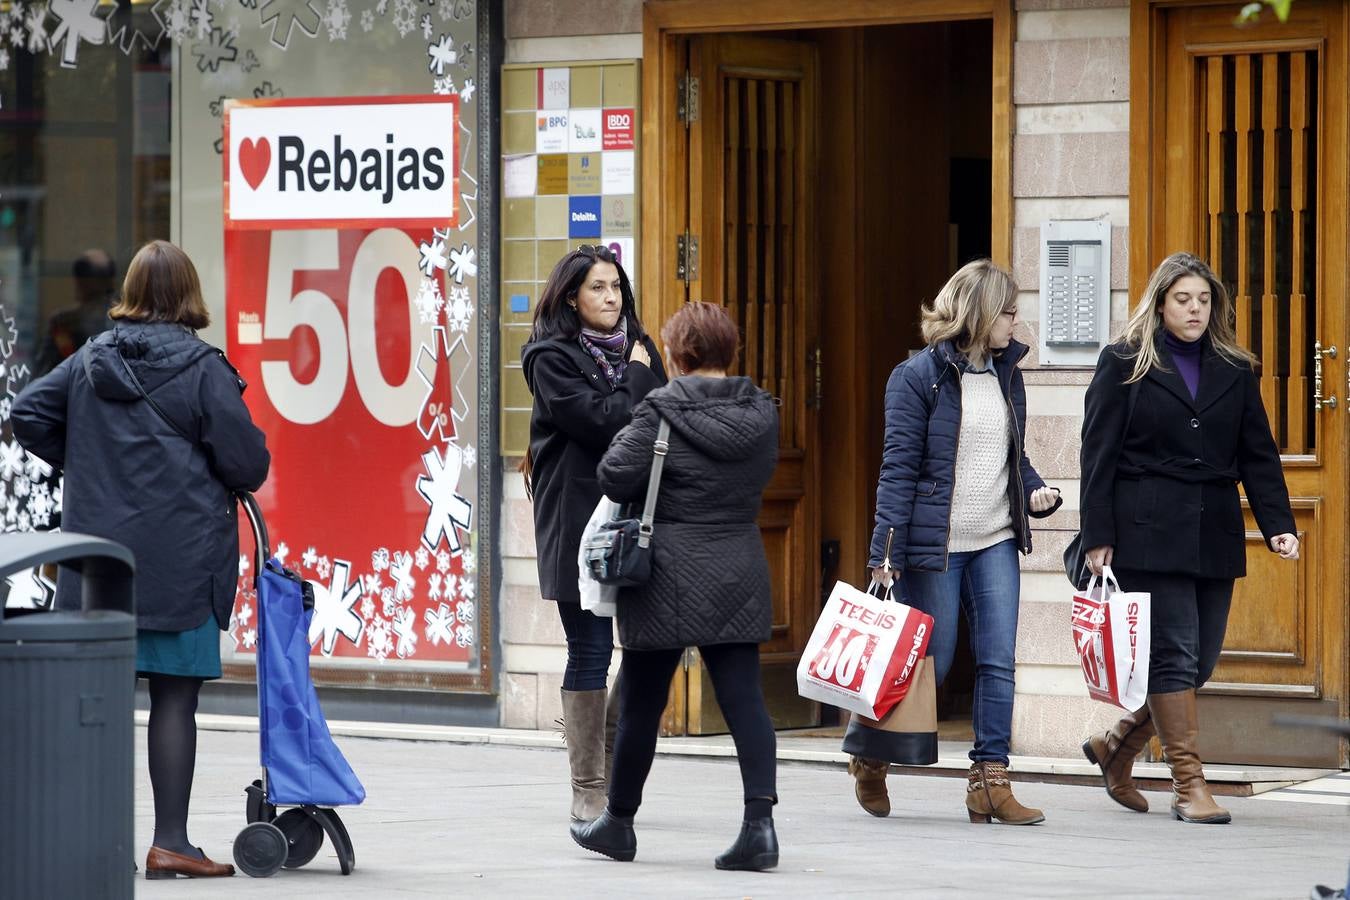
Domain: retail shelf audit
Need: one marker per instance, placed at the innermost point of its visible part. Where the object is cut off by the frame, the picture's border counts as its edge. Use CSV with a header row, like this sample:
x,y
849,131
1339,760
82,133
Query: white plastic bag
x,y
598,598
1112,631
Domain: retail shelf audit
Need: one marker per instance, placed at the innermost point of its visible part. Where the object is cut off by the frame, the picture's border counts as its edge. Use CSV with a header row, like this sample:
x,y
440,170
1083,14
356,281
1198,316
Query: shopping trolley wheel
x,y
260,850
303,834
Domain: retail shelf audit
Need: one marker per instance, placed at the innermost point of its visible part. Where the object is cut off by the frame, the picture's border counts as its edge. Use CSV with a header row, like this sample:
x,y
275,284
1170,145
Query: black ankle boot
x,y
613,836
755,850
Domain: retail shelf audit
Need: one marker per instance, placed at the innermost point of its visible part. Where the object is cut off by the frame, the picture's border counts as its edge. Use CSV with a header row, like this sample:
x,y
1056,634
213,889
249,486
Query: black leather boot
x,y
612,836
755,850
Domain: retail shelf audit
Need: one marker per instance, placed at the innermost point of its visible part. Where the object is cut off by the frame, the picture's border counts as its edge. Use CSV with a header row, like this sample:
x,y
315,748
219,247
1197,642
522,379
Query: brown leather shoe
x,y
989,796
161,863
1175,718
870,789
1114,752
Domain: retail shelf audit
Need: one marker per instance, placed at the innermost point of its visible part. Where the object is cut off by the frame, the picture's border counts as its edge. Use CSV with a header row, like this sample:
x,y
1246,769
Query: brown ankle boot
x,y
989,795
1174,717
870,786
1114,751
584,724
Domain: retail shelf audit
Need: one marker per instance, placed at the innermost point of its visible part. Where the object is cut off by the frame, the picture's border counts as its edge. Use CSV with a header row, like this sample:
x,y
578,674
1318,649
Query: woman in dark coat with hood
x,y
149,423
588,362
709,585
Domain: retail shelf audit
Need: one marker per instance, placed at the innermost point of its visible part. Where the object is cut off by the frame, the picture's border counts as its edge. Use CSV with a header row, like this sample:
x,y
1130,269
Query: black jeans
x,y
1190,616
590,646
642,697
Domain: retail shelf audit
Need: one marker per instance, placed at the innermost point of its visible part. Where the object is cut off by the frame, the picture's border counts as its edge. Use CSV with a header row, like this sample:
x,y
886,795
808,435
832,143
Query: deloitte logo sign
x,y
341,162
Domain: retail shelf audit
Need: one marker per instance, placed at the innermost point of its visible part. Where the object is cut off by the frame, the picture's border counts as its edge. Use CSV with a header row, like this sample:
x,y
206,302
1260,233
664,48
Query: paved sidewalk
x,y
490,821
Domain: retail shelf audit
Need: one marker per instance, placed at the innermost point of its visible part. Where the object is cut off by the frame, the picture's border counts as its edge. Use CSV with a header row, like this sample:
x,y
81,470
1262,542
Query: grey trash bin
x,y
67,679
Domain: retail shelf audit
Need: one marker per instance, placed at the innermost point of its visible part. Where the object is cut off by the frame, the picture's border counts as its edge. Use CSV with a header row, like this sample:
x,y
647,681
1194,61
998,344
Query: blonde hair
x,y
968,305
1145,323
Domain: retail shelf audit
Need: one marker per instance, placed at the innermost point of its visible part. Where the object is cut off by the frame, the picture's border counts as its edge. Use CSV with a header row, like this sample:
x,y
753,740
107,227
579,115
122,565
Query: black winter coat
x,y
918,462
576,415
131,478
1164,494
710,577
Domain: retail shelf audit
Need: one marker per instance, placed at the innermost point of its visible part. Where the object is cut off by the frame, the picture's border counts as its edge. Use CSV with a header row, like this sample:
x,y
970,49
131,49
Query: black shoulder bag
x,y
620,552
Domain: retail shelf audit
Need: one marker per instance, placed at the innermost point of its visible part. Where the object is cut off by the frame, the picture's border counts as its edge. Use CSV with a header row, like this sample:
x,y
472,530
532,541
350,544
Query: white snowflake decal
x,y
440,625
287,15
379,559
245,613
282,552
76,21
218,48
444,86
323,567
442,55
433,256
336,18
367,608
465,611
243,565
387,602
458,311
367,20
333,613
464,635
428,301
309,558
250,639
463,264
403,21
372,584
379,638
405,629
469,561
466,92
426,26
201,19
468,588
470,455
434,585
423,558
442,561
401,572
36,24
447,512
445,9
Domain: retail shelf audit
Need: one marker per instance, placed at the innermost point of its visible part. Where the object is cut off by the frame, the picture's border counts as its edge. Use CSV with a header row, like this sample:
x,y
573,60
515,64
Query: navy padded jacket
x,y
918,462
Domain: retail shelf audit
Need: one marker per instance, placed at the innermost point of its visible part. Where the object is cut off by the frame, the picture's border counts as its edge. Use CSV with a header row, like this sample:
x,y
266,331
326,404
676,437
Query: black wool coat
x,y
710,577
131,478
576,415
1164,493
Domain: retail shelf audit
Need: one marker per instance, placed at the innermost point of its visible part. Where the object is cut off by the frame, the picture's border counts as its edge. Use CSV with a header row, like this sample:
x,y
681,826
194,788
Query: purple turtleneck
x,y
1186,354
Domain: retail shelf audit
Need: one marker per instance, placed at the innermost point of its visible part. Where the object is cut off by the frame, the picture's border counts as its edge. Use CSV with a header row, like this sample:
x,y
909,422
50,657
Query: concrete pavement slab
x,y
452,820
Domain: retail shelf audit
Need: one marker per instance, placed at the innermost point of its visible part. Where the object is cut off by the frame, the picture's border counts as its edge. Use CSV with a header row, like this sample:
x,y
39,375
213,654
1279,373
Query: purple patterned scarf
x,y
608,350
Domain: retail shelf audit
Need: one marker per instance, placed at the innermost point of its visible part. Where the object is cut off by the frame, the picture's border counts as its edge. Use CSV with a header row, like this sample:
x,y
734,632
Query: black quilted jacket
x,y
710,578
131,478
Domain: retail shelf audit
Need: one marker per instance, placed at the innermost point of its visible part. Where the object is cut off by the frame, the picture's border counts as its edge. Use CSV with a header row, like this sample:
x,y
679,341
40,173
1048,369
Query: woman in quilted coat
x,y
709,586
953,497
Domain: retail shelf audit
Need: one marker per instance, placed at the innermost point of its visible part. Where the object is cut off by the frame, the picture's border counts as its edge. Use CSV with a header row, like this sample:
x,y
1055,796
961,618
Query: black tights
x,y
642,696
172,745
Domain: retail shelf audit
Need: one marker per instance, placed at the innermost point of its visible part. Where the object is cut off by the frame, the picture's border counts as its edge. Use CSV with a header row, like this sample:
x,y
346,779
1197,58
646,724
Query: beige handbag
x,y
908,733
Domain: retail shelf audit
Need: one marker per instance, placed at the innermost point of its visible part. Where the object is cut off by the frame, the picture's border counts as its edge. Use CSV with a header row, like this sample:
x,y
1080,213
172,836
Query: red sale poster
x,y
349,314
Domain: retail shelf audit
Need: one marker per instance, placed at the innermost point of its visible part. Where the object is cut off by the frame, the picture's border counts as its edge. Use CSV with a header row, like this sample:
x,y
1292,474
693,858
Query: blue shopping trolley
x,y
301,766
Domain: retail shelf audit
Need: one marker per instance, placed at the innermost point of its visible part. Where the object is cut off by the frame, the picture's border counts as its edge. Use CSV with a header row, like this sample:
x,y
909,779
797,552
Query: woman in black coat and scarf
x,y
149,423
1173,421
588,362
709,585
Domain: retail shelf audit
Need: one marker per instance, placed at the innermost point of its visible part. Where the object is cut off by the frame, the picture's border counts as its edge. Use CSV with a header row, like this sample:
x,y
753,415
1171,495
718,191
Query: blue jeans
x,y
590,645
986,586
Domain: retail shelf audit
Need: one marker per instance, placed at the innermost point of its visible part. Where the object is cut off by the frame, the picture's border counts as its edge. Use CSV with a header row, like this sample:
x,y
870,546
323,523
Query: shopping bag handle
x,y
1108,579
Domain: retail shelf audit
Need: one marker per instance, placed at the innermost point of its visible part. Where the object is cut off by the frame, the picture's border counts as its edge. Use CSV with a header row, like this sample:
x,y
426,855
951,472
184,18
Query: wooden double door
x,y
1240,154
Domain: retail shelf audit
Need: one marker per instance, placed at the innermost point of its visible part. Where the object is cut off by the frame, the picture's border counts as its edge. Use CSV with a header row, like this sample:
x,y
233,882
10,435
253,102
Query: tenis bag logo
x,y
352,162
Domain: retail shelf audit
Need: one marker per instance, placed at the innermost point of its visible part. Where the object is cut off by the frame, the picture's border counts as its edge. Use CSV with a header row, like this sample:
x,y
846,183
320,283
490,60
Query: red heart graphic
x,y
255,158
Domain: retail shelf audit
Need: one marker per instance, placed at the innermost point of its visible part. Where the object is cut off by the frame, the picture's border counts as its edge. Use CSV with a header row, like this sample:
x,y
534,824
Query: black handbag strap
x,y
141,389
659,450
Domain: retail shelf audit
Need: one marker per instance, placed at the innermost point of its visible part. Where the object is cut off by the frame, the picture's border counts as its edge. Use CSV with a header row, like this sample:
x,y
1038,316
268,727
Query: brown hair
x,y
162,286
701,336
968,305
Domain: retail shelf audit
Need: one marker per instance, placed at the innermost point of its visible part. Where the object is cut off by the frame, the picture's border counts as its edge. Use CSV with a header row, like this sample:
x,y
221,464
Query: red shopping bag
x,y
1111,633
863,652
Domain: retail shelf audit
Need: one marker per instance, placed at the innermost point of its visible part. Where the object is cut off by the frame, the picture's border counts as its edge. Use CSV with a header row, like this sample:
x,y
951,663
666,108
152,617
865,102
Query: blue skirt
x,y
190,654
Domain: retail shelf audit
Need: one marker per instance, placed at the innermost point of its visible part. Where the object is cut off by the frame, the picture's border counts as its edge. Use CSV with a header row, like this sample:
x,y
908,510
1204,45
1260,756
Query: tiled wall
x,y
1070,161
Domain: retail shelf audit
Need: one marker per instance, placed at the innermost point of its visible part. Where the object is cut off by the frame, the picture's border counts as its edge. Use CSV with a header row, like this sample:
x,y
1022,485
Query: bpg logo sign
x,y
353,162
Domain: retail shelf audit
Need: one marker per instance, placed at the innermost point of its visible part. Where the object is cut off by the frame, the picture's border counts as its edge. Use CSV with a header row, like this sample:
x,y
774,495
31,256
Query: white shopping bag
x,y
1111,630
863,652
598,598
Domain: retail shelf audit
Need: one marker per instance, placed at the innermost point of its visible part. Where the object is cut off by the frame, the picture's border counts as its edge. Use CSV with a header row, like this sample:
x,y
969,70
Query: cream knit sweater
x,y
981,516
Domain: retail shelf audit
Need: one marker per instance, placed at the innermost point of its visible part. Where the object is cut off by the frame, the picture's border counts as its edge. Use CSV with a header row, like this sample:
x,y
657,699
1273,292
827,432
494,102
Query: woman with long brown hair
x,y
1173,420
588,363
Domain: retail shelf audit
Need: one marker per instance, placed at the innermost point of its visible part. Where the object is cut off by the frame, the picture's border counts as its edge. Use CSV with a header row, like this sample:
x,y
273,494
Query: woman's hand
x,y
1043,498
1099,557
885,575
639,354
1286,545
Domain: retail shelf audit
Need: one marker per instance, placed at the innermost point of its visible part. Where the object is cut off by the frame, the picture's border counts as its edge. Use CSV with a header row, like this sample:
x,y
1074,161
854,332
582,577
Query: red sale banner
x,y
356,344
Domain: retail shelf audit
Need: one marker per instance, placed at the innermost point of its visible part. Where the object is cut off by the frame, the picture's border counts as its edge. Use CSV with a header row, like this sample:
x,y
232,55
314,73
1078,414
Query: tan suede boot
x,y
1114,752
584,727
1175,718
989,796
870,786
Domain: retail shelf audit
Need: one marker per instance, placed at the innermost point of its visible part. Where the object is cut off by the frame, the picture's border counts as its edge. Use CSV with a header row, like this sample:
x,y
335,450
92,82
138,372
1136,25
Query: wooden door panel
x,y
751,159
1247,166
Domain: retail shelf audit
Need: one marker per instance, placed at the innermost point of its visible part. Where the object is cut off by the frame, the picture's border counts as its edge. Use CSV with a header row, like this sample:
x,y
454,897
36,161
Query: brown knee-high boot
x,y
1114,751
584,725
1175,718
